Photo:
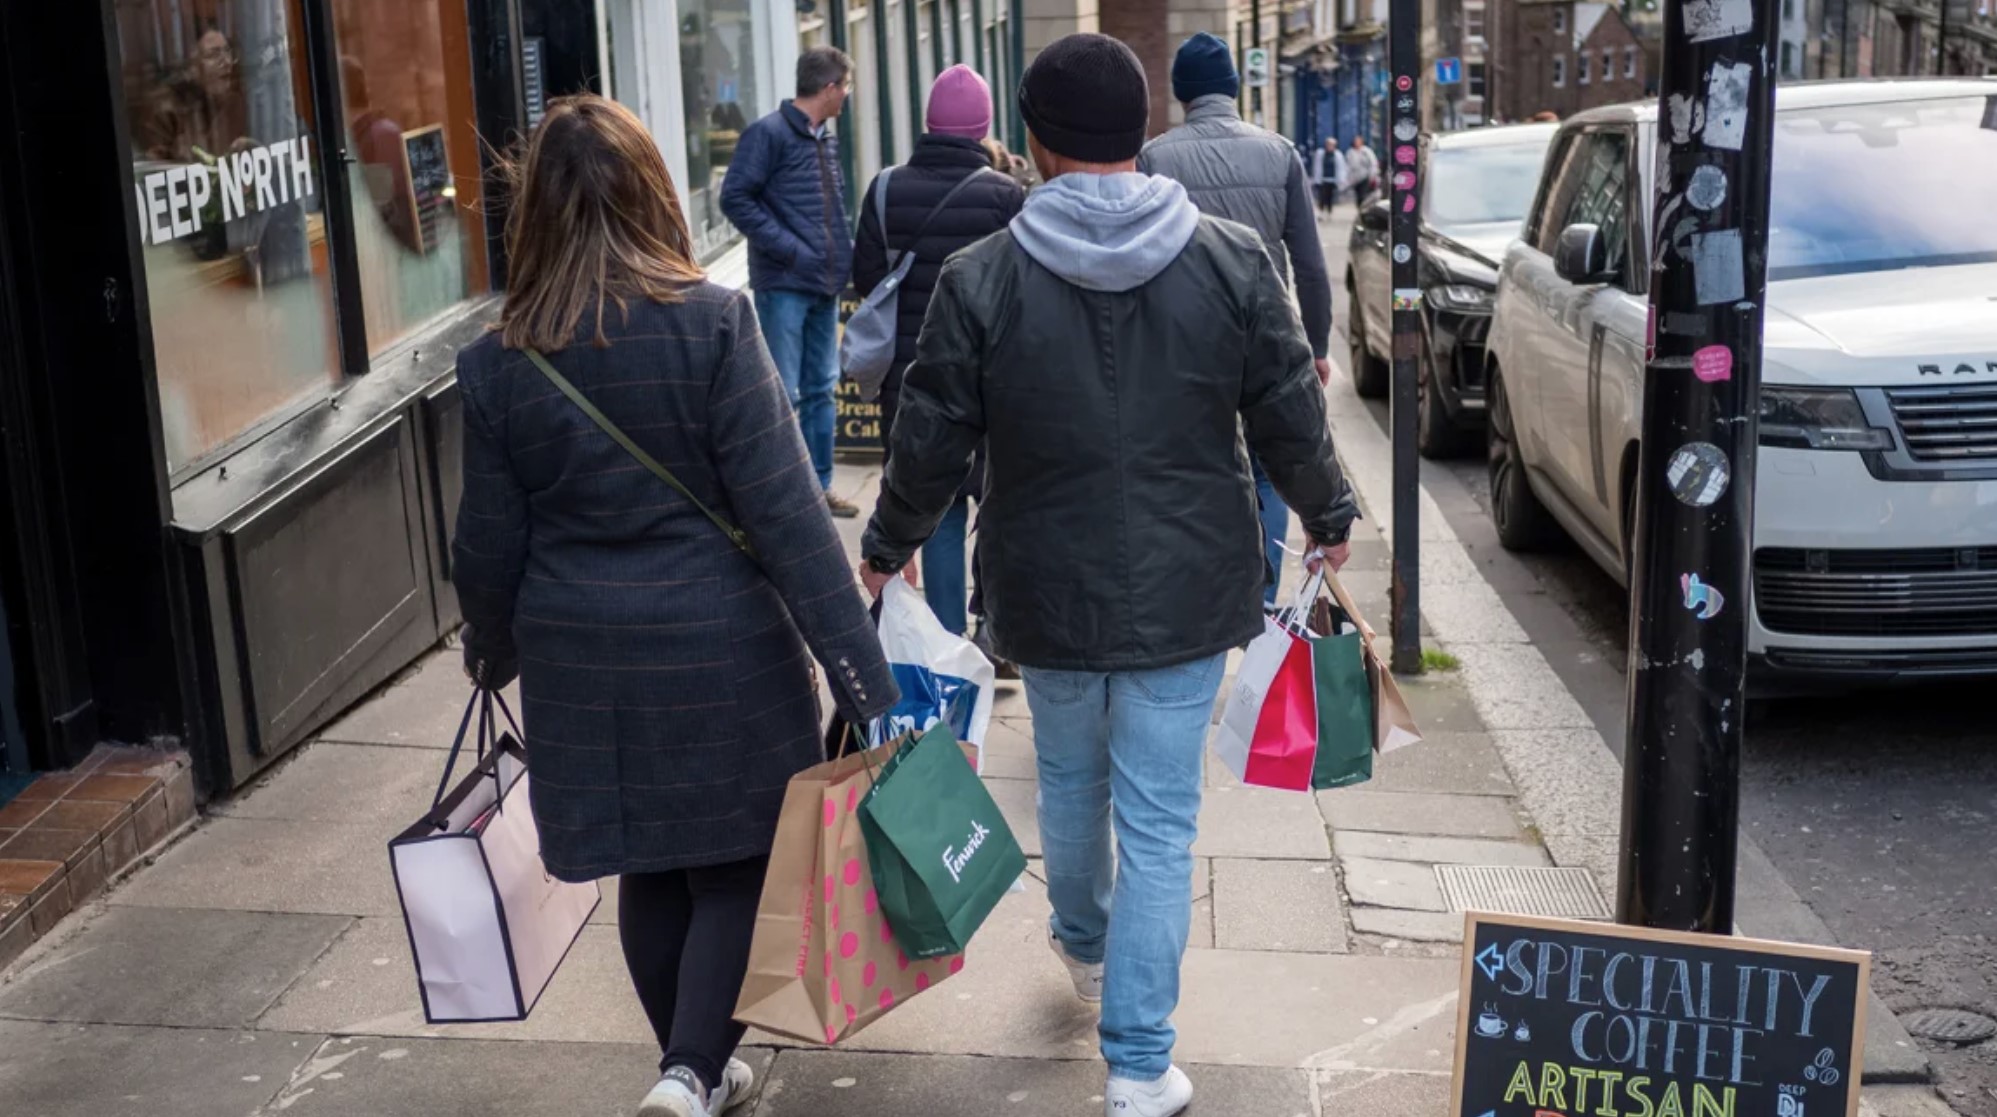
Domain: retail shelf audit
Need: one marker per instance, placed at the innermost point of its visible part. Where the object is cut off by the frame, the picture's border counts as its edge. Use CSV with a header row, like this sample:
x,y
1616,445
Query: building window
x,y
1473,22
1559,71
1629,62
1608,64
1560,21
1474,73
720,96
228,186
414,166
1583,65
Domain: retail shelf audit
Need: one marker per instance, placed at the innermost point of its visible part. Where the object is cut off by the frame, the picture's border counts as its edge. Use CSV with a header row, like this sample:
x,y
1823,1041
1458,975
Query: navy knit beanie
x,y
1204,65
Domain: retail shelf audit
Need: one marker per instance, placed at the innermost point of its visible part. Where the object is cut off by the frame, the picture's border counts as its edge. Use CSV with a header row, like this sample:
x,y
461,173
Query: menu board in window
x,y
431,192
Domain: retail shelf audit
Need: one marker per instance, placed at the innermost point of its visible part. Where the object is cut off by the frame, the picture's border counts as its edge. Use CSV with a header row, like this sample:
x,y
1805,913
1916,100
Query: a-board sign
x,y
1561,1018
430,188
859,422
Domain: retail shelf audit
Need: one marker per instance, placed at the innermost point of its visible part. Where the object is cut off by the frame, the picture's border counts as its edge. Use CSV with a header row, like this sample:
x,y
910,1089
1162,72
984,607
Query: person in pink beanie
x,y
945,198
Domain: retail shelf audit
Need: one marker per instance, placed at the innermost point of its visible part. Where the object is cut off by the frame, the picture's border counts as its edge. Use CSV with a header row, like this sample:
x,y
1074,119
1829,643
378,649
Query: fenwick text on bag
x,y
823,962
487,925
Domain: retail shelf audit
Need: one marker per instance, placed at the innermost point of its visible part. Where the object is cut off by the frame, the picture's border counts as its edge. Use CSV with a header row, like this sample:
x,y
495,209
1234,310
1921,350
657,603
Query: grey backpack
x,y
867,347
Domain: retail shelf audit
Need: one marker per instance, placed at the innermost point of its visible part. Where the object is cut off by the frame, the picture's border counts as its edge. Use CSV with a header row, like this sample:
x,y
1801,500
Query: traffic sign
x,y
1448,71
1255,65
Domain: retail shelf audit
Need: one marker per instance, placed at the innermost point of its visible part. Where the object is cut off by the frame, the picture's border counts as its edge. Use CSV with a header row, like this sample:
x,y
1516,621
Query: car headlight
x,y
1461,296
1818,419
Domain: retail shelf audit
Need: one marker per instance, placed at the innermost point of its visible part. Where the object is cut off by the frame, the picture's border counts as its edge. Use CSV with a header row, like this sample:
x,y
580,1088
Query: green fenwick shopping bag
x,y
1344,698
941,853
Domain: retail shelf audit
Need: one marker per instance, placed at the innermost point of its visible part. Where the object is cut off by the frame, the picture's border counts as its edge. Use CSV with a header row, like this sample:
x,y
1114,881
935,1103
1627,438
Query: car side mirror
x,y
1376,217
1582,255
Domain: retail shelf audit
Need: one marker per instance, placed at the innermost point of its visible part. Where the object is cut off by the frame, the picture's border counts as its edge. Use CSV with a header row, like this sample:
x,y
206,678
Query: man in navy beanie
x,y
1233,169
1111,348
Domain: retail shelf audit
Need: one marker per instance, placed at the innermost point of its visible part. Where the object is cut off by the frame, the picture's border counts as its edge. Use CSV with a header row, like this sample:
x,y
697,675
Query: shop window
x,y
718,80
414,169
228,184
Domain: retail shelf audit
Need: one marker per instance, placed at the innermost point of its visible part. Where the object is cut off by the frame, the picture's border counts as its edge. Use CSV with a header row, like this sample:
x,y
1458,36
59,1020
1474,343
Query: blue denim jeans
x,y
802,331
943,567
1120,754
1275,528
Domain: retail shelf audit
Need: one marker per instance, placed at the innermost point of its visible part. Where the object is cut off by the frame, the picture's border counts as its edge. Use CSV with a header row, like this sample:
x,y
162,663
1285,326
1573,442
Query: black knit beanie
x,y
1085,98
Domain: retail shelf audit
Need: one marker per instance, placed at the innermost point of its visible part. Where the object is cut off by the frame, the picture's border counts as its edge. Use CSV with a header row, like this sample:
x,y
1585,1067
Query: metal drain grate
x,y
1950,1025
1556,893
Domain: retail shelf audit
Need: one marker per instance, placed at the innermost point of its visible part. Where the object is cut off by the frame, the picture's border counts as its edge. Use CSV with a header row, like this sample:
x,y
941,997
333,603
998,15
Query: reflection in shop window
x,y
405,75
226,189
718,70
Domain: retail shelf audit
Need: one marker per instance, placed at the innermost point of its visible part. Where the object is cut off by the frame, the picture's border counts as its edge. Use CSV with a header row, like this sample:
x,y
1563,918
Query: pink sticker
x,y
1405,155
1408,203
869,975
1404,180
849,945
852,872
1713,364
1404,83
887,999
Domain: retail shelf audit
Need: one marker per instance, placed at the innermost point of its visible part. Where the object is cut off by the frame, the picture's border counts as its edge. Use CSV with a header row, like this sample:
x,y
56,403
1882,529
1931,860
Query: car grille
x,y
1928,592
1952,424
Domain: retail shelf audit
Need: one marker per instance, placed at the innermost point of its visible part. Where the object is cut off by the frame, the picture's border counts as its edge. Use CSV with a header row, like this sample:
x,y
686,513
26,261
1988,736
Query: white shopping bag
x,y
1268,730
942,676
487,925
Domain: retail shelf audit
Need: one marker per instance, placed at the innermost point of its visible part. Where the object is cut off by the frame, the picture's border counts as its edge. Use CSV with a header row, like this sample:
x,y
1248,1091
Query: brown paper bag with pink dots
x,y
823,963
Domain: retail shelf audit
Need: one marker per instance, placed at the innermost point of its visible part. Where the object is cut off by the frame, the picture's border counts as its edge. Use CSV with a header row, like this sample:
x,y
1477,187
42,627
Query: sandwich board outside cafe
x,y
1564,1018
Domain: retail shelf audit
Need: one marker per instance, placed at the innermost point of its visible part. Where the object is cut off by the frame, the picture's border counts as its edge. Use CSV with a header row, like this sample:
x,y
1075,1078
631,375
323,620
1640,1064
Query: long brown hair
x,y
595,220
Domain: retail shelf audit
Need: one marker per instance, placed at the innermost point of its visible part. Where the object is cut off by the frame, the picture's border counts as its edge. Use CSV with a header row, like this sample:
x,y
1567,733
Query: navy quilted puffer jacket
x,y
786,193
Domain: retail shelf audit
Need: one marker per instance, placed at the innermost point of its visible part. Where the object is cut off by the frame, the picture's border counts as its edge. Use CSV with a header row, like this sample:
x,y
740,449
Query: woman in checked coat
x,y
665,672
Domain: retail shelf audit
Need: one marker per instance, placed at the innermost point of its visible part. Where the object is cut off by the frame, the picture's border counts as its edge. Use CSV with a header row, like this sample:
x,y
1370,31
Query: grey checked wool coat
x,y
664,673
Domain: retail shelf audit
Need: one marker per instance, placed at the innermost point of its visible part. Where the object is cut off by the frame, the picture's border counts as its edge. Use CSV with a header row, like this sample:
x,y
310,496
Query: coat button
x,y
844,662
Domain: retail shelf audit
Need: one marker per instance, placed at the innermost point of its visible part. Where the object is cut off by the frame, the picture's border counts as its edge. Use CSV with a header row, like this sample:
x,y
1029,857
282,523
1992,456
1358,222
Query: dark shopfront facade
x,y
240,244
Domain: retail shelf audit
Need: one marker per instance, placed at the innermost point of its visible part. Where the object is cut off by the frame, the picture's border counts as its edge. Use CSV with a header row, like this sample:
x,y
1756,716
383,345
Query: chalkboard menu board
x,y
430,189
859,424
1569,1019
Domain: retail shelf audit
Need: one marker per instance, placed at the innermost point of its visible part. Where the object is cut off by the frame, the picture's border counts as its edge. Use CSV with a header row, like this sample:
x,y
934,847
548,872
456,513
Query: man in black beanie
x,y
1233,169
1109,348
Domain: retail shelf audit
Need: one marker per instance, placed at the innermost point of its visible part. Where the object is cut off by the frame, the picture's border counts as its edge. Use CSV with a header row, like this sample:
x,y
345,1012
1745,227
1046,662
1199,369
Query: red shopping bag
x,y
1268,730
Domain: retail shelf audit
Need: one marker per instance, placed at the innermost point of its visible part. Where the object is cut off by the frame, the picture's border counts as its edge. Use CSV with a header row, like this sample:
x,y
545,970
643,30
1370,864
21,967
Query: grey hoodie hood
x,y
1107,232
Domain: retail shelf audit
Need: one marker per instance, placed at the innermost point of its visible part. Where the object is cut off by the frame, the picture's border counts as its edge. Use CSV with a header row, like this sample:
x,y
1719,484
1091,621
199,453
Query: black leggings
x,y
686,941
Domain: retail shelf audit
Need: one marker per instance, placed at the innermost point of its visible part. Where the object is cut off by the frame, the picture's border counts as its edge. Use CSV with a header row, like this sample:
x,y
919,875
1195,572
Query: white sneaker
x,y
1087,976
1164,1098
678,1094
736,1078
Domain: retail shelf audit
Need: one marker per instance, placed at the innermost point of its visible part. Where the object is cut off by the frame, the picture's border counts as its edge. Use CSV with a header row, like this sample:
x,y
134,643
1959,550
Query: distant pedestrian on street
x,y
1362,172
946,197
666,674
1233,169
1109,349
1328,172
786,192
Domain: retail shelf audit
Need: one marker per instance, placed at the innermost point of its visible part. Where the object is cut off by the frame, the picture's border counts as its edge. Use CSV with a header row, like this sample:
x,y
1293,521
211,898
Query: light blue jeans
x,y
802,331
1120,753
1275,528
943,580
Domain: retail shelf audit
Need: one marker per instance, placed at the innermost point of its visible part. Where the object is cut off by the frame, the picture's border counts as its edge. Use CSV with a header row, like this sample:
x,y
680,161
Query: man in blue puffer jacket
x,y
786,192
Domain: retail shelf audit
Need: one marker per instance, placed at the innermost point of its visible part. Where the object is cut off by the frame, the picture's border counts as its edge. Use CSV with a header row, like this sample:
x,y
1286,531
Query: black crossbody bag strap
x,y
933,212
603,422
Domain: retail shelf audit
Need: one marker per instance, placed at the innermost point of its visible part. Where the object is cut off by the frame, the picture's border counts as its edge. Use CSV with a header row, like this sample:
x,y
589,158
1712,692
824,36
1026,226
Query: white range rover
x,y
1875,541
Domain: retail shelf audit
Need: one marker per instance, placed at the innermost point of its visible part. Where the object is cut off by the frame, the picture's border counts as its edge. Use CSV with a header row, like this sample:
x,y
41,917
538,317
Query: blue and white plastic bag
x,y
942,676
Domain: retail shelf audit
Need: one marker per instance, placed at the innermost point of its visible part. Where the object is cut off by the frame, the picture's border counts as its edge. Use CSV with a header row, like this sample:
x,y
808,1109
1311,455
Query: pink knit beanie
x,y
960,104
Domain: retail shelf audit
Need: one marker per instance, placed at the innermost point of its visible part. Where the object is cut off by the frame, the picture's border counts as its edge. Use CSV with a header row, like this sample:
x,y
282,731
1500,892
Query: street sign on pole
x,y
1255,66
1689,583
1402,160
1449,71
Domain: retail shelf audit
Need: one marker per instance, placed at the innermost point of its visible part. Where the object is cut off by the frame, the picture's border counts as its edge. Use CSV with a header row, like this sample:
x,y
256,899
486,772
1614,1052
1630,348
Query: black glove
x,y
487,669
